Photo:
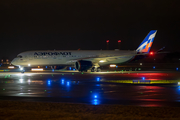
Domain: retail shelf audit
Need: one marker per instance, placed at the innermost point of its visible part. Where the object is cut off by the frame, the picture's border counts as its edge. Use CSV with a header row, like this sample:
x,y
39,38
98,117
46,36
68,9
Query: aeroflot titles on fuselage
x,y
51,53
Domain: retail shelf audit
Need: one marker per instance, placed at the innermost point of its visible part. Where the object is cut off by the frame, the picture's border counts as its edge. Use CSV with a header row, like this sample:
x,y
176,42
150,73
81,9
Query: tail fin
x,y
146,44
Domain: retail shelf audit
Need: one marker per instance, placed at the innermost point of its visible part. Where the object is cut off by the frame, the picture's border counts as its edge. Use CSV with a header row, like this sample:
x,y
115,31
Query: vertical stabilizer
x,y
146,44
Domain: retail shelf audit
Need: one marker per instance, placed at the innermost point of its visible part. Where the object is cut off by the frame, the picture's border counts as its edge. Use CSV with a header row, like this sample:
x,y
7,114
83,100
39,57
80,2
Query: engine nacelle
x,y
83,65
57,67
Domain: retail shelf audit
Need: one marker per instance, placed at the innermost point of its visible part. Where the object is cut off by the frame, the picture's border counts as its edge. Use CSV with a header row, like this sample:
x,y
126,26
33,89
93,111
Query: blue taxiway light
x,y
177,68
95,96
154,67
67,83
95,102
69,68
49,82
62,81
46,66
143,78
53,70
98,79
74,69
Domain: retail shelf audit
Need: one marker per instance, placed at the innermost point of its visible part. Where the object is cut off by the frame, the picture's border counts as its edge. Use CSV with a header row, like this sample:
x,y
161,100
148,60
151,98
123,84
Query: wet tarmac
x,y
91,88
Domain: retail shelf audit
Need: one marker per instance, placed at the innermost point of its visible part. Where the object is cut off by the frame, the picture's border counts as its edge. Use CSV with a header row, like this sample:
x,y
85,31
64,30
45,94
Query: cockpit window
x,y
19,56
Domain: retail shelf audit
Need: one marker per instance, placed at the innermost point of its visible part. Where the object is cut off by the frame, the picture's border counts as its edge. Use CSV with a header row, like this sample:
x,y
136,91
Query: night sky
x,y
86,24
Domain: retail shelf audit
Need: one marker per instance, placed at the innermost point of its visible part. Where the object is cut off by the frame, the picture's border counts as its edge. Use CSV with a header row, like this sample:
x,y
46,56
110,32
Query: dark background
x,y
86,24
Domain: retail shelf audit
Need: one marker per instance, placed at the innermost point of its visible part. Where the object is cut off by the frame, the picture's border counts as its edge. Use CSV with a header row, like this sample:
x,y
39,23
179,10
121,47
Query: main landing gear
x,y
96,69
22,70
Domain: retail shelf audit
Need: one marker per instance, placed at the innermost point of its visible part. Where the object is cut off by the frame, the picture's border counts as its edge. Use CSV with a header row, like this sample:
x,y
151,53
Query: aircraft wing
x,y
97,59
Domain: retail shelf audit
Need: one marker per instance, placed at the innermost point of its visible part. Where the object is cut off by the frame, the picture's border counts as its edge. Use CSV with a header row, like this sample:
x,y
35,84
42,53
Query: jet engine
x,y
83,65
57,67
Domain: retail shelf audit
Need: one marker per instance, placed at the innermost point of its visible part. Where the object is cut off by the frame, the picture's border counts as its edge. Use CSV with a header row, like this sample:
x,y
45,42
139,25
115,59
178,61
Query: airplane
x,y
83,60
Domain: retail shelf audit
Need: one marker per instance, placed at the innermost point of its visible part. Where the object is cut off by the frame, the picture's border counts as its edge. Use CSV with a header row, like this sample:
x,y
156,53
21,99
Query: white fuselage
x,y
69,57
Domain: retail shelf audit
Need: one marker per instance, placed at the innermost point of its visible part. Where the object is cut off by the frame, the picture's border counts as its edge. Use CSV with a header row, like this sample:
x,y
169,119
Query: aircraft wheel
x,y
93,69
98,69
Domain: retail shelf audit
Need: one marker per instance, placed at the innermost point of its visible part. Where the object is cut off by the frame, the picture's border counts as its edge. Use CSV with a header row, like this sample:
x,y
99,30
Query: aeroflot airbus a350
x,y
83,60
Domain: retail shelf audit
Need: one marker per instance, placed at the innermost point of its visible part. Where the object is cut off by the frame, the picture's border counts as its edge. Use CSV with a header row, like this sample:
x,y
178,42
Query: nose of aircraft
x,y
13,62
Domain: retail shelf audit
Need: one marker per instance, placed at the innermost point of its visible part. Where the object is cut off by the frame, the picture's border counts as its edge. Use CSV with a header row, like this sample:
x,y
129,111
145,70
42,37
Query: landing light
x,y
29,64
101,61
112,65
10,66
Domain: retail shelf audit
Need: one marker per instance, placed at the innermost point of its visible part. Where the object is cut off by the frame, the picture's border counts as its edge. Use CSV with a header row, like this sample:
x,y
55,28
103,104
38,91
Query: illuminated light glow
x,y
98,79
67,83
101,61
69,68
53,70
154,67
49,82
74,69
29,64
10,66
21,68
112,65
21,80
29,80
95,96
178,83
143,78
177,68
151,53
46,66
95,102
62,81
107,41
119,41
37,69
140,63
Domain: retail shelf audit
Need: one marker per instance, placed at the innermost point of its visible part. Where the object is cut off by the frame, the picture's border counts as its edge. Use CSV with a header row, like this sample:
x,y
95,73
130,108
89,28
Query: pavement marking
x,y
144,81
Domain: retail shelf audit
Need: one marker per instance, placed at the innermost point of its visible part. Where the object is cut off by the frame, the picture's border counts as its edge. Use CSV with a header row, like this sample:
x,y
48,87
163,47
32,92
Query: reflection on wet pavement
x,y
89,89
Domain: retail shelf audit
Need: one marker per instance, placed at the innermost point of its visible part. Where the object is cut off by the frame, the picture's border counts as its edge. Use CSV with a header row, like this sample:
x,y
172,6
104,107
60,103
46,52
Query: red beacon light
x,y
151,53
119,41
107,41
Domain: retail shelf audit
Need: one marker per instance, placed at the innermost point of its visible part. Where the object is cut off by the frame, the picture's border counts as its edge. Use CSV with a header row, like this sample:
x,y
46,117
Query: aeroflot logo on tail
x,y
51,53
